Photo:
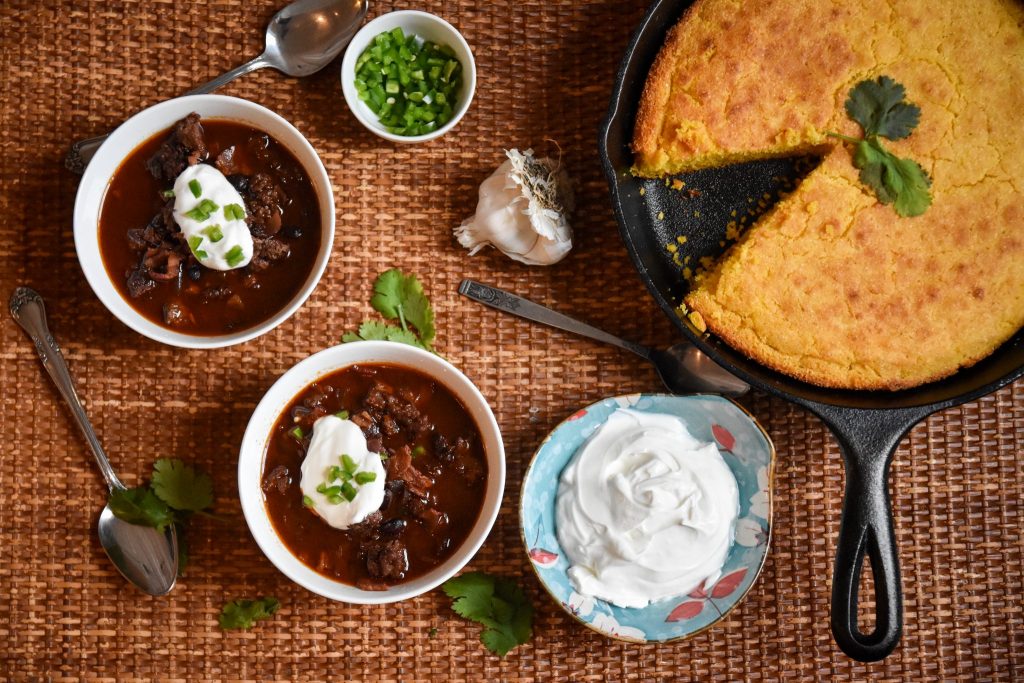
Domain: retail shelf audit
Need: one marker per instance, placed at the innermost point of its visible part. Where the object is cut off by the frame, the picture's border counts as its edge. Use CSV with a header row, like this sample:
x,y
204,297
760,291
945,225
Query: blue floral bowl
x,y
747,450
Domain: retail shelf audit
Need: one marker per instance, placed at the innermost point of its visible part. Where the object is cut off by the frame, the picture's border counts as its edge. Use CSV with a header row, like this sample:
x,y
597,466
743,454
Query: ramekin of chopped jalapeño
x,y
411,84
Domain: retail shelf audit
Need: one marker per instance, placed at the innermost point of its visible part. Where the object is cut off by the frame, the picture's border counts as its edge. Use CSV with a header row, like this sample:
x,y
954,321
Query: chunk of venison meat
x,y
377,398
225,162
363,420
387,560
399,466
277,479
264,205
162,263
467,465
176,314
138,282
370,525
266,251
389,426
184,147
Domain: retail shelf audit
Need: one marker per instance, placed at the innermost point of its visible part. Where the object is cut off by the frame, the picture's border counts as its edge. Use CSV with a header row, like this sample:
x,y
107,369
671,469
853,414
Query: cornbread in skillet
x,y
831,286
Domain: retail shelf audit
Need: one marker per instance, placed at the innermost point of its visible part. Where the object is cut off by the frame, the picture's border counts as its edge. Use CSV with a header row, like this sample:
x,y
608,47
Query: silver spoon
x,y
682,367
143,555
301,39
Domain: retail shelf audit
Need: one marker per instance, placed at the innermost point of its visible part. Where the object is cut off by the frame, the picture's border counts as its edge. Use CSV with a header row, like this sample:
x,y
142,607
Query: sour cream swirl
x,y
645,511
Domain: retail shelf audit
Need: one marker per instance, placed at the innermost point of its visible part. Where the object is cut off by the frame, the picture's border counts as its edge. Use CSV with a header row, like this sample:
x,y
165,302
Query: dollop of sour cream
x,y
219,238
332,438
645,511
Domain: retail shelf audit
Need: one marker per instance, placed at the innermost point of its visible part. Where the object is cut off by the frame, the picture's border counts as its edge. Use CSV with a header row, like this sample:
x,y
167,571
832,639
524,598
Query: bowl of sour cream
x,y
648,517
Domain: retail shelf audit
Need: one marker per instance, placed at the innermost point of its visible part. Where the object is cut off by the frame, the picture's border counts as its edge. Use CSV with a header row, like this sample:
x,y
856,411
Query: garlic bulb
x,y
523,211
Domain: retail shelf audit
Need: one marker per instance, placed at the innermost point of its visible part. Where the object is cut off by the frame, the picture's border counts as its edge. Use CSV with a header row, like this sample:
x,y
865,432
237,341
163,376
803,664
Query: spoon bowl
x,y
146,557
684,369
306,35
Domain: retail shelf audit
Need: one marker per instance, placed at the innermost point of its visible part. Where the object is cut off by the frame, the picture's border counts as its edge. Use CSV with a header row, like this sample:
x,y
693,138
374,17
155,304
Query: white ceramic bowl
x,y
292,383
428,27
133,133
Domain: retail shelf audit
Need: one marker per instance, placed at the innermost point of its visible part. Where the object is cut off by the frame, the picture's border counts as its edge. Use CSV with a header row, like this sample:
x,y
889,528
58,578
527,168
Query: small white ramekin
x,y
132,133
428,27
291,384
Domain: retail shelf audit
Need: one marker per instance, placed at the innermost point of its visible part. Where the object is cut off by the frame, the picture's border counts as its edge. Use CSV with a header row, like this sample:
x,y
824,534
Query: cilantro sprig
x,y
243,614
498,603
881,110
398,296
175,492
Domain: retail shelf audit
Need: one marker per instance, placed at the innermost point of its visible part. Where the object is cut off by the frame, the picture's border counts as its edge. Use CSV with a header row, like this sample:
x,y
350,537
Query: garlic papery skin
x,y
523,211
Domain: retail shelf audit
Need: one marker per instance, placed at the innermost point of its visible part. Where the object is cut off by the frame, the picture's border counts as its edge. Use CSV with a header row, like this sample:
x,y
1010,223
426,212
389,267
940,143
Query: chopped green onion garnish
x,y
307,501
196,188
297,433
201,254
213,232
349,491
194,241
418,451
410,84
334,499
322,488
234,255
168,194
334,472
341,414
201,212
234,211
349,464
365,477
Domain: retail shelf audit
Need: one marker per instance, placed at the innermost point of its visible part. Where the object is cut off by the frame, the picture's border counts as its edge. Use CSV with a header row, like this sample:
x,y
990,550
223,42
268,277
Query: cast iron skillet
x,y
867,425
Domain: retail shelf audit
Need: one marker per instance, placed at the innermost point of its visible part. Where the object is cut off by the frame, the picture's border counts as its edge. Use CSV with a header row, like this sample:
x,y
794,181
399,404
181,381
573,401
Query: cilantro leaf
x,y
399,296
245,613
372,330
497,603
180,486
140,506
897,181
879,108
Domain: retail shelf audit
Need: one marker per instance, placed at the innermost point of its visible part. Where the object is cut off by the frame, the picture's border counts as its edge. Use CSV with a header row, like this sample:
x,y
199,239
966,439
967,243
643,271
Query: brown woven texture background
x,y
77,69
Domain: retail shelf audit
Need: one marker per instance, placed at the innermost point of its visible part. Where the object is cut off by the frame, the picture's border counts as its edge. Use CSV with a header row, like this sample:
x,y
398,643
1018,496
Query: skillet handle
x,y
868,439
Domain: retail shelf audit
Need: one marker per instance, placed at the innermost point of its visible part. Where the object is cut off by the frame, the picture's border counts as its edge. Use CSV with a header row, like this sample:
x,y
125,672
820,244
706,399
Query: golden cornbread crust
x,y
831,286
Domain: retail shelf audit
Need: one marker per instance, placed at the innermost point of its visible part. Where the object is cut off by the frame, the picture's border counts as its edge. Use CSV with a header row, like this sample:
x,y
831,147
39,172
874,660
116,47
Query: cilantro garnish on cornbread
x,y
880,108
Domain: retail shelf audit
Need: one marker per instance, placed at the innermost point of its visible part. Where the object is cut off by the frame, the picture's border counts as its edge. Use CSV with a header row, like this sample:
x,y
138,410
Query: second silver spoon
x,y
301,39
146,557
682,367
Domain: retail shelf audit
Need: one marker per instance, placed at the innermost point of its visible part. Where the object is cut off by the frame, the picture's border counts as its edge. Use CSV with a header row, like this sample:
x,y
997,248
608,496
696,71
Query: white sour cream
x,y
645,511
215,240
333,437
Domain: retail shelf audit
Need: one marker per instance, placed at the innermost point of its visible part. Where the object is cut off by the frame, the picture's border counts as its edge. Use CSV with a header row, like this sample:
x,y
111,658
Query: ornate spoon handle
x,y
28,311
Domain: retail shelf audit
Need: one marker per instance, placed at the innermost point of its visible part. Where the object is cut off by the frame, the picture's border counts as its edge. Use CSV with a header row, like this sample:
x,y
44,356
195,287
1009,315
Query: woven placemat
x,y
78,68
